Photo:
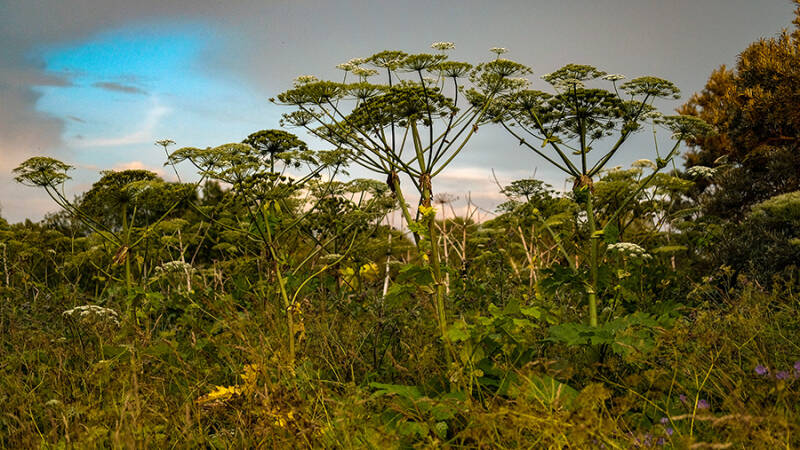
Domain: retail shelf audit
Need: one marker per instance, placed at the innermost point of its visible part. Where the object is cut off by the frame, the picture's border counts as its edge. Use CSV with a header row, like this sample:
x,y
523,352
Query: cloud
x,y
482,182
141,135
138,165
118,87
24,132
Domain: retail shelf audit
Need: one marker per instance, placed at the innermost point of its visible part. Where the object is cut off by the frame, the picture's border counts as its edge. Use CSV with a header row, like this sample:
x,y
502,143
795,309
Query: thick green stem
x,y
403,205
282,287
436,270
125,253
438,279
594,238
129,288
289,312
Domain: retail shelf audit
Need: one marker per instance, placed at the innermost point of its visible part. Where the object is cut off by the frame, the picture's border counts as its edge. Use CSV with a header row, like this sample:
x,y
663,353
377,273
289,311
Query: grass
x,y
148,386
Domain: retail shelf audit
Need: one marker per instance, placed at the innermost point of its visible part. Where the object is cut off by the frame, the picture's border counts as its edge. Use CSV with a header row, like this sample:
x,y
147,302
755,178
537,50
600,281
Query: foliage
x,y
754,111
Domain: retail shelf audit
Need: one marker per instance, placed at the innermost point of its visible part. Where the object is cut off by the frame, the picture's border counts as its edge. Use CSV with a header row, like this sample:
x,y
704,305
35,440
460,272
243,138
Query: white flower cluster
x,y
429,81
362,72
701,171
443,46
568,83
654,116
351,65
518,83
614,77
629,249
92,313
174,266
498,50
305,79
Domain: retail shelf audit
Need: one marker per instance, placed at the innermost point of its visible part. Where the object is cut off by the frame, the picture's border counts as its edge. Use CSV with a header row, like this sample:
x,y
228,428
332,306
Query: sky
x,y
95,82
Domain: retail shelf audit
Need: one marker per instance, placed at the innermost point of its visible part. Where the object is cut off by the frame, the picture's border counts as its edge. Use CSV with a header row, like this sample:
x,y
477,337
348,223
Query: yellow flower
x,y
427,211
369,271
250,376
220,394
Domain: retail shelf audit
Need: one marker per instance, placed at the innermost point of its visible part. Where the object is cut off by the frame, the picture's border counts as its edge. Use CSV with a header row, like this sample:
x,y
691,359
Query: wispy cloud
x,y
118,87
143,134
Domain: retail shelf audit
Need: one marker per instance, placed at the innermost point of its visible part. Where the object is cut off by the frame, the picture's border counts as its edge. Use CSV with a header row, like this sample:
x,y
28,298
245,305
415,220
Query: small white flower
x,y
175,266
498,50
347,67
565,83
519,83
701,172
655,116
429,81
88,314
629,250
357,61
305,79
614,77
362,72
443,46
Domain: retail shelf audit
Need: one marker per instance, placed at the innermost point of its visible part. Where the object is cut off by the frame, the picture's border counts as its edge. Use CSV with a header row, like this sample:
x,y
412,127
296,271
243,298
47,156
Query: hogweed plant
x,y
84,318
413,122
260,171
110,208
564,127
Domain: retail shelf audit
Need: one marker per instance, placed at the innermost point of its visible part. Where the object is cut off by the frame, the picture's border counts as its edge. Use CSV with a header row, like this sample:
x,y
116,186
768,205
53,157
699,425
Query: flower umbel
x,y
443,46
93,314
305,79
614,77
629,250
701,172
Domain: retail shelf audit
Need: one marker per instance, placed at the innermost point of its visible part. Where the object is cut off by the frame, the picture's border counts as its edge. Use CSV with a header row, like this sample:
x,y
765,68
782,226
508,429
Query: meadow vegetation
x,y
270,304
